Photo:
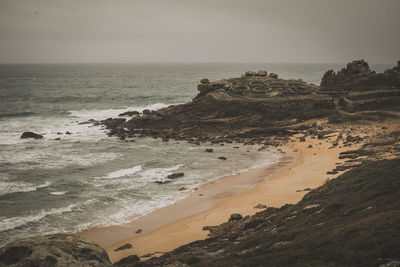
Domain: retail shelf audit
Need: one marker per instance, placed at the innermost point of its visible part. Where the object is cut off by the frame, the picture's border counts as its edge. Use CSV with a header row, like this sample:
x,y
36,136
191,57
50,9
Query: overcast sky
x,y
199,30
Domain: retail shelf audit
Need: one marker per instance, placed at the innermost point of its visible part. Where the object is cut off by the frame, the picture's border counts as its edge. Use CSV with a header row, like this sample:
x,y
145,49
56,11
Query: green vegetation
x,y
357,222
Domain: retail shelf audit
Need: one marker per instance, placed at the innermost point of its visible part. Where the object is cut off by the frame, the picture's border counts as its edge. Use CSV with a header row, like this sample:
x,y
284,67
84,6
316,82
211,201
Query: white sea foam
x,y
158,174
129,211
58,193
51,159
119,180
124,172
8,187
101,114
13,222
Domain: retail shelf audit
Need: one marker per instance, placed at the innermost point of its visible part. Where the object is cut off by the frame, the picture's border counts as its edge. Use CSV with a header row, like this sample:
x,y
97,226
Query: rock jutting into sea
x,y
256,106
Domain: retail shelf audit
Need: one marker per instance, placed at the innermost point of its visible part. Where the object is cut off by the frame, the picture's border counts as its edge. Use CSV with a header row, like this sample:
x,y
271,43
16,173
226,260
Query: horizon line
x,y
181,62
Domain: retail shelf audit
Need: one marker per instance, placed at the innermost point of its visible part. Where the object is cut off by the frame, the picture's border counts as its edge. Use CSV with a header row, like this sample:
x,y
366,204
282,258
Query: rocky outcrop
x,y
246,109
356,87
53,250
129,113
354,71
31,135
357,76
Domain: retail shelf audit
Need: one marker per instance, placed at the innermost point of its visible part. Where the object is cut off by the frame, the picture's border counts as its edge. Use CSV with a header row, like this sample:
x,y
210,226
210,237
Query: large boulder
x,y
53,250
31,135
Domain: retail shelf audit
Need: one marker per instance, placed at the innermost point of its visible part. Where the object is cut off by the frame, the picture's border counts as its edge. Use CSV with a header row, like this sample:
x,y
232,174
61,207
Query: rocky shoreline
x,y
258,108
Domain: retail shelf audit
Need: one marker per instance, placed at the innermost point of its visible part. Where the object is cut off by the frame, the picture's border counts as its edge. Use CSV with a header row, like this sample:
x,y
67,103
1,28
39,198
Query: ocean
x,y
87,179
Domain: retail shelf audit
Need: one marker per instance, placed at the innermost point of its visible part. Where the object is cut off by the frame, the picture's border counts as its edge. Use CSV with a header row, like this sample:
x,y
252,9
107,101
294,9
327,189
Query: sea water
x,y
87,179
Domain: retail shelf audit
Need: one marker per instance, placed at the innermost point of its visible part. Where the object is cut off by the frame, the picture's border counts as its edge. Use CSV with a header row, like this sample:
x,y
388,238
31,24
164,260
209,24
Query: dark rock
x,y
146,111
235,217
260,206
204,81
58,138
209,150
126,246
273,75
262,73
302,139
249,73
222,158
138,231
31,135
310,146
182,188
129,113
91,121
53,250
127,261
175,175
332,172
68,132
353,70
113,124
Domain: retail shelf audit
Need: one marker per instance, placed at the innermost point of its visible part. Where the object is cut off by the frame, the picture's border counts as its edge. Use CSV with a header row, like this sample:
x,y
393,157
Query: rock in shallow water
x,y
31,135
53,250
175,175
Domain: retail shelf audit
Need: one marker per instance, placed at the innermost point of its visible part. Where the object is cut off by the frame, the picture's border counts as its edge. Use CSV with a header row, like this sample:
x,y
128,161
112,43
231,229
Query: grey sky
x,y
199,30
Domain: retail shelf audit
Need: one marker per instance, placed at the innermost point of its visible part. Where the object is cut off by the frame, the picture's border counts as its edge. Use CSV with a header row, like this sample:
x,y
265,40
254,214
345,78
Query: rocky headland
x,y
261,108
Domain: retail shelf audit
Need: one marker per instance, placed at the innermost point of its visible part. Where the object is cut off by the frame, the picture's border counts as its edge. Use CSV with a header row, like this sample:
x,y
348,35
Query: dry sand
x,y
175,225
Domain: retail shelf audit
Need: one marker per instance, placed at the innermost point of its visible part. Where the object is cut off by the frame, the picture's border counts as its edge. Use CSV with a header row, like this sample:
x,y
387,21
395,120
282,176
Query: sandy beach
x,y
303,165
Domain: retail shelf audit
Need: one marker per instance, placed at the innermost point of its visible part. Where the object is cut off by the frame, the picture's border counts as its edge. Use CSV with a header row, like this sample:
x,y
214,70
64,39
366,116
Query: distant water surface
x,y
87,179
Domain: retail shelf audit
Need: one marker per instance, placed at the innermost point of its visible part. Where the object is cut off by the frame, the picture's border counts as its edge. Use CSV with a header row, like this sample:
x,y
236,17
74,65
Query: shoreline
x,y
178,224
202,198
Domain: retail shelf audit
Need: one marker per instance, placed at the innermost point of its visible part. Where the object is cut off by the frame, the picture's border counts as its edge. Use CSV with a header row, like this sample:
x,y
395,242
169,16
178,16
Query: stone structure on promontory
x,y
356,87
238,109
258,105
